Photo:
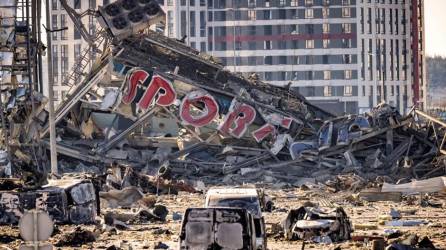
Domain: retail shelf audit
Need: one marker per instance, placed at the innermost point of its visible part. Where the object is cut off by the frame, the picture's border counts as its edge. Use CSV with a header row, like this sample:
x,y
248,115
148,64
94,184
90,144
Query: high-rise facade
x,y
67,43
344,55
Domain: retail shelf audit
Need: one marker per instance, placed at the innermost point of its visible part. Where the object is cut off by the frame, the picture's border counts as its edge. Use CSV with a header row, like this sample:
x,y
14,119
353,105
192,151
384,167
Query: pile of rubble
x,y
157,111
154,116
164,110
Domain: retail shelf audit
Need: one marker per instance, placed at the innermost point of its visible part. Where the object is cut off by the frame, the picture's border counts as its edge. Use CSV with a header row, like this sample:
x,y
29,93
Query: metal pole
x,y
30,68
35,45
53,150
39,41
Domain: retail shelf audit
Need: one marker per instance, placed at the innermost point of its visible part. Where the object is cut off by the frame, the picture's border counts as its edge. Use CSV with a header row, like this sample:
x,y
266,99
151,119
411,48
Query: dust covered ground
x,y
149,235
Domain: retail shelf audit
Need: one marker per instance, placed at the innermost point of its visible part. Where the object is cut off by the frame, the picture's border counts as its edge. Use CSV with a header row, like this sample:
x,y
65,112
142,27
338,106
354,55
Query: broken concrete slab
x,y
437,184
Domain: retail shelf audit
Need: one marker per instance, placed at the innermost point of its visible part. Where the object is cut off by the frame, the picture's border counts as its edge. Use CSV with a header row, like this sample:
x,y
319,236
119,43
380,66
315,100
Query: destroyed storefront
x,y
154,116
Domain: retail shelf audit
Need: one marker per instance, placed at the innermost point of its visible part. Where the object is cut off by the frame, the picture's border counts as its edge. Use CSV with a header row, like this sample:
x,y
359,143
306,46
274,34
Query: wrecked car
x,y
246,198
217,228
318,224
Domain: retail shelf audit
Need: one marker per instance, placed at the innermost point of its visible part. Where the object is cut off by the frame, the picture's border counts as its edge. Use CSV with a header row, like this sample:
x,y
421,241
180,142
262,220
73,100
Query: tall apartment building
x,y
67,45
344,55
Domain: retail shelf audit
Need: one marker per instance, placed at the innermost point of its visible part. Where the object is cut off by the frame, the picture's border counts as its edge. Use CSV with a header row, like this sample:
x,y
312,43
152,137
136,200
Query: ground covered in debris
x,y
368,219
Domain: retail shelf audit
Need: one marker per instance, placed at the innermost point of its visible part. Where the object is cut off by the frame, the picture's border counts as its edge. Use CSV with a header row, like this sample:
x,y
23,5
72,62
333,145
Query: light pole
x,y
53,150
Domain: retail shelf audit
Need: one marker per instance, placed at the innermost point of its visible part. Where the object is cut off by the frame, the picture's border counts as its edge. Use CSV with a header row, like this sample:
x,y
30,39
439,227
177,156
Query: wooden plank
x,y
373,196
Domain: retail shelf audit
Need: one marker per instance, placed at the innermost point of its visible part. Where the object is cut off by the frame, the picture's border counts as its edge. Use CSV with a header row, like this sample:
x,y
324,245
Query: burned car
x,y
246,198
318,224
217,228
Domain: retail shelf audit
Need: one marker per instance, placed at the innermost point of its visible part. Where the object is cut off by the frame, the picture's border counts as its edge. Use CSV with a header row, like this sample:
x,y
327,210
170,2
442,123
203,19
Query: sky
x,y
435,27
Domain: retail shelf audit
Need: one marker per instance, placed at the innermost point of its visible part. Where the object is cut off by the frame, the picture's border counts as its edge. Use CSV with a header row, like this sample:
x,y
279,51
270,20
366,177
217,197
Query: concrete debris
x,y
412,242
432,185
153,118
76,238
405,223
376,195
157,213
65,200
120,198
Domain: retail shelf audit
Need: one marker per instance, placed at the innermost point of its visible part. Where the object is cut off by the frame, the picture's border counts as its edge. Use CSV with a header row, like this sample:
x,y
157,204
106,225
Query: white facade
x,y
384,43
292,56
334,52
67,45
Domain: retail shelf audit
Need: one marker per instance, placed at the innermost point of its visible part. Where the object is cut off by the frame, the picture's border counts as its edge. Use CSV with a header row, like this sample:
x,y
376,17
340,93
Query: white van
x,y
247,198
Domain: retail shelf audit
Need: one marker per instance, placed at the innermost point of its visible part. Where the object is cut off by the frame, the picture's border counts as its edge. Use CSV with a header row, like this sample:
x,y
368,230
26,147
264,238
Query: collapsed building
x,y
170,117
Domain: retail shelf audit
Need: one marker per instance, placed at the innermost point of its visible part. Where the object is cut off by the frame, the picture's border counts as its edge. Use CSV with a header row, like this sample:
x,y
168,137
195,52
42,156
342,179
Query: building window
x,y
192,45
192,23
56,95
192,2
310,29
294,3
325,12
324,59
63,24
346,43
183,21
267,15
54,4
346,28
77,51
77,4
267,3
268,60
309,13
77,34
202,23
203,47
54,26
326,43
348,90
346,12
238,45
169,2
327,74
202,2
308,2
347,74
309,44
347,59
77,55
281,3
169,23
325,28
64,61
267,45
92,4
345,2
309,75
55,57
327,90
295,30
92,25
252,15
